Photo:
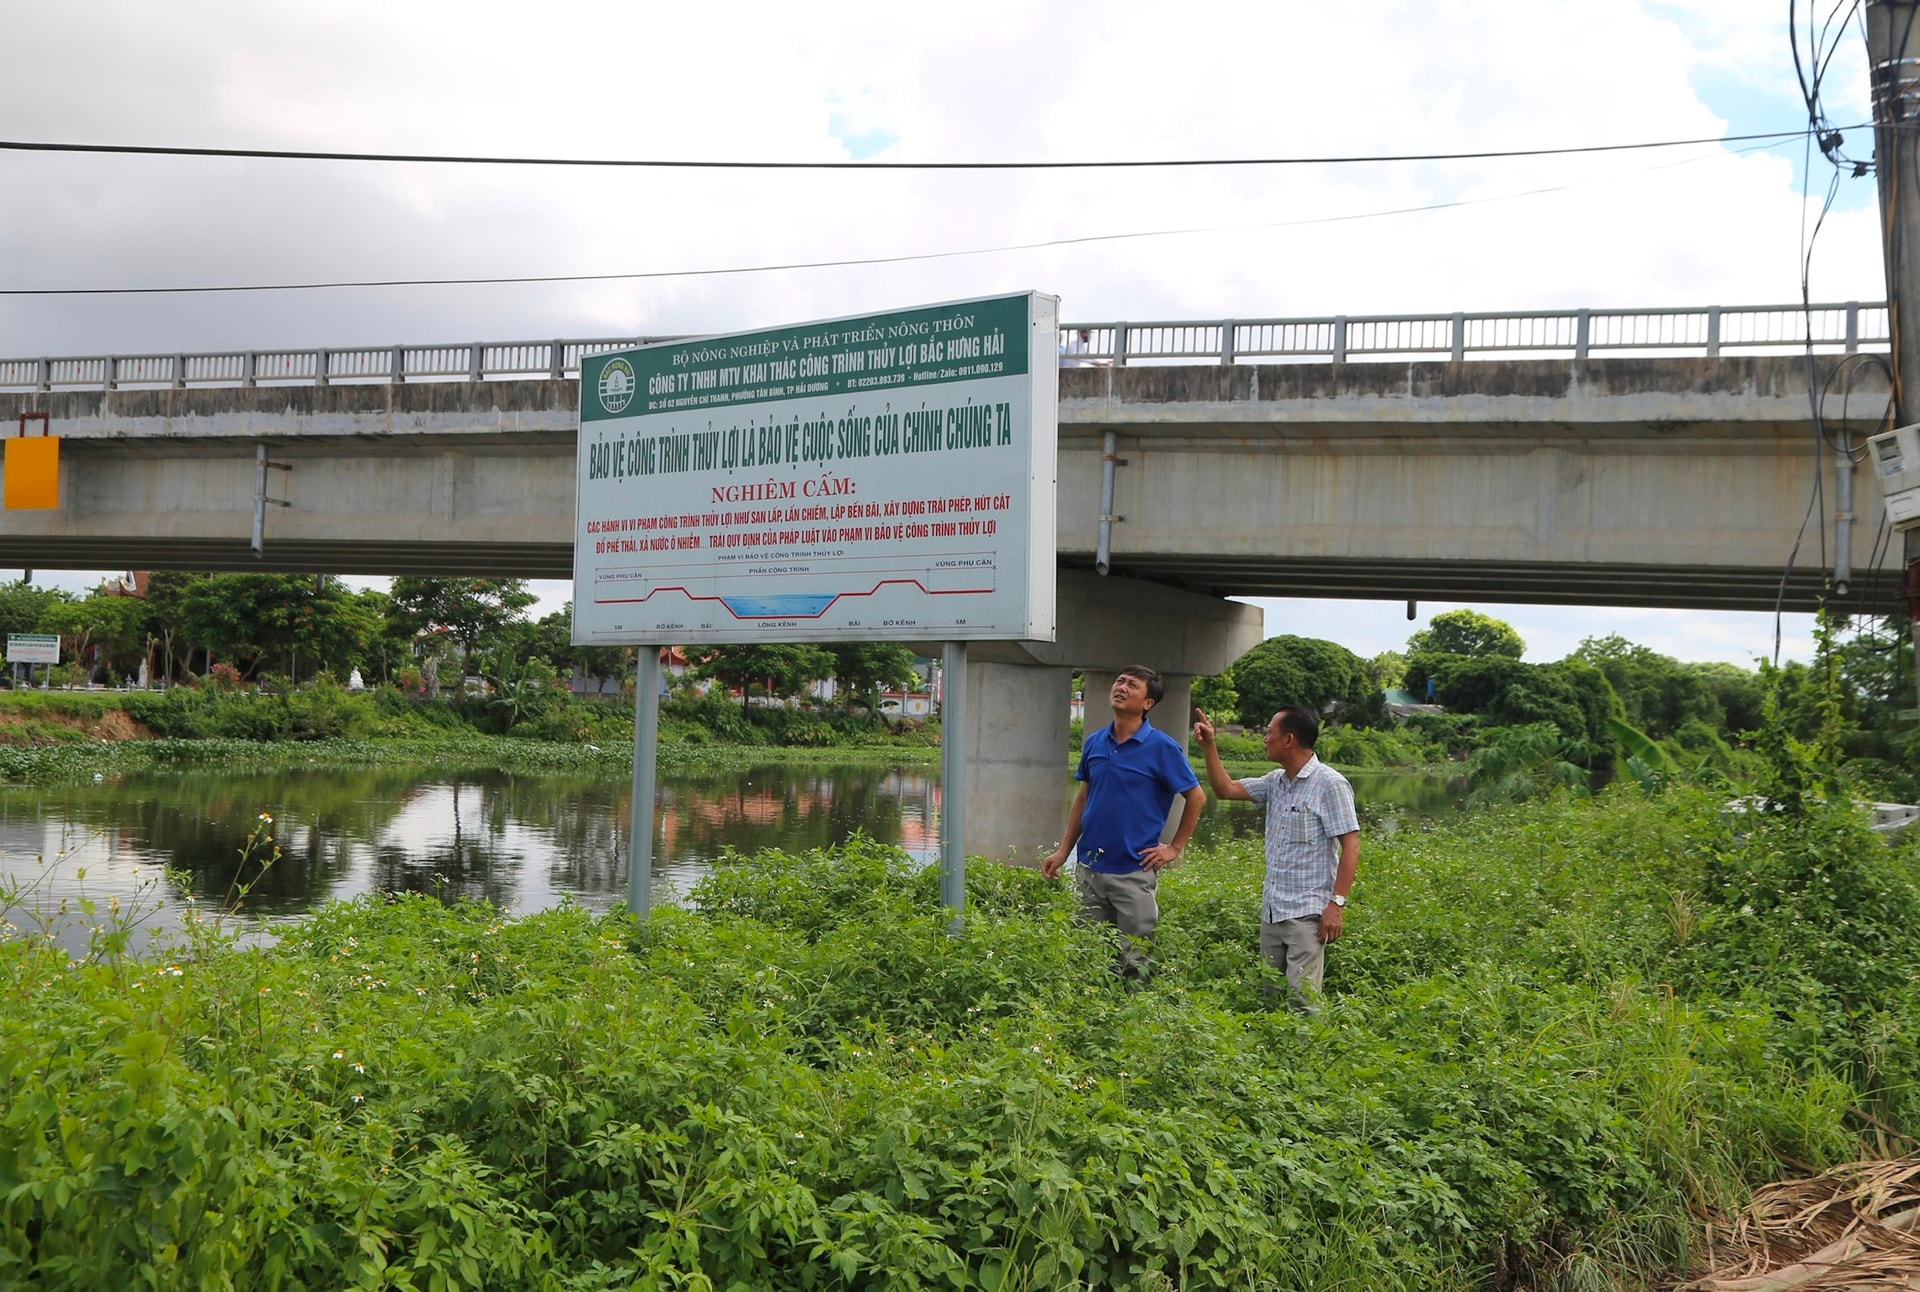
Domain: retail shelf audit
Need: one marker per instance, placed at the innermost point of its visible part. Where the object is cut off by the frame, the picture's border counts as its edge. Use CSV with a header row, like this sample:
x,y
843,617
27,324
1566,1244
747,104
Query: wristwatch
x,y
1339,901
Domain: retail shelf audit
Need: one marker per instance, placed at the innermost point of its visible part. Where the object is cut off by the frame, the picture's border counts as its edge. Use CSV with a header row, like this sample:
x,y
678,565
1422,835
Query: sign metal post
x,y
953,781
646,744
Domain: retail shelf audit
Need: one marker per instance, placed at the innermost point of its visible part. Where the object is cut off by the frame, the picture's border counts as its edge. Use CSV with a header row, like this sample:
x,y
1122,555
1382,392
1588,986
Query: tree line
x,y
251,628
1565,717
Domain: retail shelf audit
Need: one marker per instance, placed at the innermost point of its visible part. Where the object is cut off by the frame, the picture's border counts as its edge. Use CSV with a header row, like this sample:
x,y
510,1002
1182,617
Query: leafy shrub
x,y
800,728
1813,915
1453,735
701,718
1513,764
1372,747
809,1081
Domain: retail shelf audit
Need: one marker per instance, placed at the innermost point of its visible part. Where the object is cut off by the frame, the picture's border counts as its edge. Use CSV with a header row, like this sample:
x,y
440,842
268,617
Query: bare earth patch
x,y
113,725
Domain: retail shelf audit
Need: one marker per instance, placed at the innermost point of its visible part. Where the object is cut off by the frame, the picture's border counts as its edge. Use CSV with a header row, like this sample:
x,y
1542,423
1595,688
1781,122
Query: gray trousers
x,y
1127,902
1294,947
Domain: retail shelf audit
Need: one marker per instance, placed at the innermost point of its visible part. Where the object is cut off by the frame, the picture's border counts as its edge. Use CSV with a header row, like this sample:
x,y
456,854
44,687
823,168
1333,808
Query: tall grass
x,y
1545,1050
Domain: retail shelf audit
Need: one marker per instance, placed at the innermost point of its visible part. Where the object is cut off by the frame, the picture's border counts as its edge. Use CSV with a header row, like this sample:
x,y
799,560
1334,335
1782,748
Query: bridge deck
x,y
1652,482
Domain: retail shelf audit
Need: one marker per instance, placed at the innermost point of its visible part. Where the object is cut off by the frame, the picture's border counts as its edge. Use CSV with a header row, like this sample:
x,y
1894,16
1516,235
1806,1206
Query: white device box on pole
x,y
1895,457
886,477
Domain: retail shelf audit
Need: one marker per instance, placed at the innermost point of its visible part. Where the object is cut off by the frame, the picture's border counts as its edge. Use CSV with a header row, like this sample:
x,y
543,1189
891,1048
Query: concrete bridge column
x,y
1096,685
1016,742
1020,773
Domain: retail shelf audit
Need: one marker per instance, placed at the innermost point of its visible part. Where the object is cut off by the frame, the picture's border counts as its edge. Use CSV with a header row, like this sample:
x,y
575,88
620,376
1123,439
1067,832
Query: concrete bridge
x,y
1643,465
1641,481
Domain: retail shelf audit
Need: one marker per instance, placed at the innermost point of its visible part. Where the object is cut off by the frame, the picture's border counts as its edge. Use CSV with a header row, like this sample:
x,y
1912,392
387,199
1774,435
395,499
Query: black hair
x,y
1155,687
1301,724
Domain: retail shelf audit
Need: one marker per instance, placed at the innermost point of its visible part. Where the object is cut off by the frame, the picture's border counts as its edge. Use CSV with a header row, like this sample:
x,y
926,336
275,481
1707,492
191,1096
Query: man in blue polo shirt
x,y
1129,774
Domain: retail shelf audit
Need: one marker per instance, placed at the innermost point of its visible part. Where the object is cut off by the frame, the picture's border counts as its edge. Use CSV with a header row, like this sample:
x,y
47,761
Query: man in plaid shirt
x,y
1313,846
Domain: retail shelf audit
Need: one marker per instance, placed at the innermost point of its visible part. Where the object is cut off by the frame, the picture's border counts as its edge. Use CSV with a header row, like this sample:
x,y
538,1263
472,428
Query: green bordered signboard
x,y
882,478
33,648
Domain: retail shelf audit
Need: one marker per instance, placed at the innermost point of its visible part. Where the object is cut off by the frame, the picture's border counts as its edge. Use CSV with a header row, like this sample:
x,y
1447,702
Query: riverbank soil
x,y
49,728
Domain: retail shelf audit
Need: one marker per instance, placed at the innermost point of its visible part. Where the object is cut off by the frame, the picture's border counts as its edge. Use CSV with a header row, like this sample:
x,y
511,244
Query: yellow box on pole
x,y
32,473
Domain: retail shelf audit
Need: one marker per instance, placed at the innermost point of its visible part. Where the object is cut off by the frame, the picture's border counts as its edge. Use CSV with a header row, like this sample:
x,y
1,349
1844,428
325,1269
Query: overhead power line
x,y
777,268
853,262
440,159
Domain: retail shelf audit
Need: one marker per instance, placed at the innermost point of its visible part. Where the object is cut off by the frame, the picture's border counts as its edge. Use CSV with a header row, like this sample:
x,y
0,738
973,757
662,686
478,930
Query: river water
x,y
518,841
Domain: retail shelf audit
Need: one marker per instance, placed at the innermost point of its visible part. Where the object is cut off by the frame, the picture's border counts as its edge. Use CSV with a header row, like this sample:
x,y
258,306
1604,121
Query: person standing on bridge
x,y
1313,847
1129,775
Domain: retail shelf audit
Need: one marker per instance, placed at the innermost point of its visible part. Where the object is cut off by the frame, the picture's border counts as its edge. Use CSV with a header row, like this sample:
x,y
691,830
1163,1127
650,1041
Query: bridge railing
x,y
1709,331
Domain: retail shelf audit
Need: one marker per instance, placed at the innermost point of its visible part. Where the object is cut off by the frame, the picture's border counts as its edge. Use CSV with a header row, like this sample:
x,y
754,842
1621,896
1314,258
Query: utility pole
x,y
1893,63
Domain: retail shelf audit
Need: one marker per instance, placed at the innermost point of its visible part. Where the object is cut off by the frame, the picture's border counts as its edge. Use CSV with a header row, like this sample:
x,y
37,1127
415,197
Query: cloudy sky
x,y
970,81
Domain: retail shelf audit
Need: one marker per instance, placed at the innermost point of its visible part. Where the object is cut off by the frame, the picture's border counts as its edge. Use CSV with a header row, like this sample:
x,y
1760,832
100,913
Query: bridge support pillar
x,y
1016,738
1020,774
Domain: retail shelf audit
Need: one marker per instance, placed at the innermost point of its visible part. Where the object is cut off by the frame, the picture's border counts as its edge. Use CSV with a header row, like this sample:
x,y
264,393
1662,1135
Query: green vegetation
x,y
525,706
1519,728
451,750
1610,708
1304,671
1467,632
1559,1034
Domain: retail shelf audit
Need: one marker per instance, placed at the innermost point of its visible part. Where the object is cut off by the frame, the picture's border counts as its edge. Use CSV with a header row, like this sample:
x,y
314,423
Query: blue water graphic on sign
x,y
790,606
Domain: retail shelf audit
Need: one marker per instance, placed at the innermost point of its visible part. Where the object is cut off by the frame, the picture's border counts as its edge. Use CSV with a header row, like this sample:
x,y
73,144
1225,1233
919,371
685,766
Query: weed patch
x,y
1549,1045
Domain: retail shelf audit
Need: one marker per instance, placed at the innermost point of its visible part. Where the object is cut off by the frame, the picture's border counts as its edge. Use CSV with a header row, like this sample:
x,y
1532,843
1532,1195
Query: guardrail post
x,y
112,373
1226,343
398,368
249,370
475,354
1119,345
179,372
322,361
1459,337
557,361
46,373
1853,327
1340,338
1582,332
1713,332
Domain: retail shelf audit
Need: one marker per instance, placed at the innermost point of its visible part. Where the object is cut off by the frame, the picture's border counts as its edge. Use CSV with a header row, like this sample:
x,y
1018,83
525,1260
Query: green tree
x,y
1467,632
549,637
1387,669
165,623
282,619
523,691
863,669
1217,697
1740,693
23,604
1306,671
1571,696
783,669
469,611
1660,694
106,631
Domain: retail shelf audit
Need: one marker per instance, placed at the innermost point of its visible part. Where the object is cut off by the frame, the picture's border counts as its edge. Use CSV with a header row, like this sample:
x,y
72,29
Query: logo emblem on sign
x,y
617,383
